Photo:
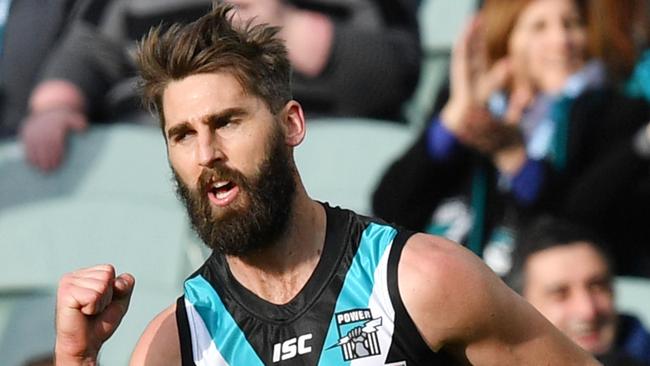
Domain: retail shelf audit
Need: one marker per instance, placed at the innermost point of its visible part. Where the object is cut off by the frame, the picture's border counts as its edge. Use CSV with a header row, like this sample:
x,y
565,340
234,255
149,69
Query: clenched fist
x,y
90,304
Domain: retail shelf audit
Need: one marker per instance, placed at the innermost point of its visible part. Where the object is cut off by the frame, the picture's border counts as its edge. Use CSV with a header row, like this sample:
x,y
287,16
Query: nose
x,y
585,306
208,148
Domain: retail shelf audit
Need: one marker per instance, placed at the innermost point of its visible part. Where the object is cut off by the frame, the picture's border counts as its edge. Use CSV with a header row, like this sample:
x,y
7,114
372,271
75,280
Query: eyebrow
x,y
178,130
215,120
219,119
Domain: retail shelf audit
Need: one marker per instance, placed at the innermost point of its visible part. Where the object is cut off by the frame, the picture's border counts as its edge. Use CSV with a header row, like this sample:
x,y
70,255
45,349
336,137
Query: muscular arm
x,y
458,304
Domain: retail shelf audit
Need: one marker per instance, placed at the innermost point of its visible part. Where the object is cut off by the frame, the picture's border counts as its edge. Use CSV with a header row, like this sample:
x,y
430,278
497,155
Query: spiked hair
x,y
253,54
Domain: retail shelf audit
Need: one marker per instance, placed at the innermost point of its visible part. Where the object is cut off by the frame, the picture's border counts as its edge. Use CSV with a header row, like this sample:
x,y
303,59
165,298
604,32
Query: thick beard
x,y
263,216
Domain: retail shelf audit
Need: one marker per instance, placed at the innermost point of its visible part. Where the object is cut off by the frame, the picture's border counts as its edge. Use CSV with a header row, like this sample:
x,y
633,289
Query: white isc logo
x,y
291,348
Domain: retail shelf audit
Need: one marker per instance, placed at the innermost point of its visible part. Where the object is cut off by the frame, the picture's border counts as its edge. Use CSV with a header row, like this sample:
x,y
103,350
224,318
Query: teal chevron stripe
x,y
226,334
358,285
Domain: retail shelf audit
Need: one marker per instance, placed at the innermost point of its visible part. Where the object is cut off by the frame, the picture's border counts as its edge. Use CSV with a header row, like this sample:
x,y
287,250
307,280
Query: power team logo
x,y
357,334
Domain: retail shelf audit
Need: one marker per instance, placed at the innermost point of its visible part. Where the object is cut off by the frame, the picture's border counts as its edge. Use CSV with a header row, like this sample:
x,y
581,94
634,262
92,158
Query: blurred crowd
x,y
546,112
535,156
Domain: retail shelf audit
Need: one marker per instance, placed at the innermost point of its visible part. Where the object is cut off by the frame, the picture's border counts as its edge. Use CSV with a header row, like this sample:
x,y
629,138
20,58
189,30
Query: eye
x,y
602,286
573,22
538,25
183,136
223,122
559,294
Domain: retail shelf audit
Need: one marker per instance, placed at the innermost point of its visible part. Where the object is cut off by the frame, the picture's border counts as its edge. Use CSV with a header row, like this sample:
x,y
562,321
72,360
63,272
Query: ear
x,y
293,121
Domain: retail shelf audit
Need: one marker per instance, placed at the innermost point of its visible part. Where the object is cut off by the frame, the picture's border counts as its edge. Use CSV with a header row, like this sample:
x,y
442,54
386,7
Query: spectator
x,y
28,30
564,271
613,198
370,53
618,35
476,173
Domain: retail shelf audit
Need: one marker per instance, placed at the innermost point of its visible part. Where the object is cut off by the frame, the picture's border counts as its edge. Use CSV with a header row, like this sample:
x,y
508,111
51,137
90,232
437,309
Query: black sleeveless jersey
x,y
348,313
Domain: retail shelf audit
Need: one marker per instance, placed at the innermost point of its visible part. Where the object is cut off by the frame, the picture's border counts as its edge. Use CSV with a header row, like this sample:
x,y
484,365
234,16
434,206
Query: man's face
x,y
571,286
232,167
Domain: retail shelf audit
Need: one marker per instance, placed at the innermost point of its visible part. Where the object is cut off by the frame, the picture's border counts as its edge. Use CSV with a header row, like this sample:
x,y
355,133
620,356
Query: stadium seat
x,y
633,297
440,24
342,159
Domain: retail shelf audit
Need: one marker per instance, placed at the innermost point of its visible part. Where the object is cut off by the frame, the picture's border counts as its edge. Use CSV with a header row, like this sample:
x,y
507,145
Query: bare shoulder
x,y
159,344
450,259
441,266
459,304
440,282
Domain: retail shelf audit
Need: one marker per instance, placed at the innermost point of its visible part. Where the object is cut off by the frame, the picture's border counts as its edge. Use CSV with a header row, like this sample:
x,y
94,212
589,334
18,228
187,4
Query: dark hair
x,y
612,27
253,54
548,232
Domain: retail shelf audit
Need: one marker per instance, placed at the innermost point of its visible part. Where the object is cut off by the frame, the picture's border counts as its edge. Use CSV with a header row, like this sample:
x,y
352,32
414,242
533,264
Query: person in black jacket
x,y
30,30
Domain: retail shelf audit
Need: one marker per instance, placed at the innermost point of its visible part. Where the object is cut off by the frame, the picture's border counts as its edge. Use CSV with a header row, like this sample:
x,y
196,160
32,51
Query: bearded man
x,y
291,281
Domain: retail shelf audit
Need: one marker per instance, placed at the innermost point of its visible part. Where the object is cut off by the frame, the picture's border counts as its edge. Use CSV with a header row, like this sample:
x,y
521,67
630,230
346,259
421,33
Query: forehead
x,y
200,95
542,8
573,263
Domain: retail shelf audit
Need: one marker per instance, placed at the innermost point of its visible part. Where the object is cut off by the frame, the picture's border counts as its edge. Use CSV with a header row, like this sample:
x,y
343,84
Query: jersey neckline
x,y
333,249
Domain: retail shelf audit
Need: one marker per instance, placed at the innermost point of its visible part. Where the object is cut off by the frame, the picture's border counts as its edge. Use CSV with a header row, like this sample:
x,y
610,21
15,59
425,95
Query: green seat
x,y
633,297
342,159
440,25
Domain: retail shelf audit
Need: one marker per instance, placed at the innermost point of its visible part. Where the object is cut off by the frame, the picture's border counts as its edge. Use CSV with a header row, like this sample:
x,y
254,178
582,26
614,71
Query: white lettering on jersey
x,y
291,348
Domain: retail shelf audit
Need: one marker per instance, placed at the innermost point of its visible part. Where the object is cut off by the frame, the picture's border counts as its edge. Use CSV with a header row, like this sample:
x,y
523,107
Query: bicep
x,y
159,344
460,305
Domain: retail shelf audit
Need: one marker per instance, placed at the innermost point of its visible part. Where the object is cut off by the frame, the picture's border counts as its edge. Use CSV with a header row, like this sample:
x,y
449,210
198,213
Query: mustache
x,y
219,172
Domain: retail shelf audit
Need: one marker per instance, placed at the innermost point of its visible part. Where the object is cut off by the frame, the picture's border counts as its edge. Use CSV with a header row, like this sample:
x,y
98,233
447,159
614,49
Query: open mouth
x,y
222,193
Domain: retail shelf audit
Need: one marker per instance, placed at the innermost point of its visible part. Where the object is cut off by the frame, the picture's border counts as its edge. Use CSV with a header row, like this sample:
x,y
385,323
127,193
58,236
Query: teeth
x,y
220,184
221,195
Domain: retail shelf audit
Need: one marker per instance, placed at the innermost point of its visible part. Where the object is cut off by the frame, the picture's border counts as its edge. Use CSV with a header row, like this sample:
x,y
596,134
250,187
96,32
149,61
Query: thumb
x,y
122,291
123,285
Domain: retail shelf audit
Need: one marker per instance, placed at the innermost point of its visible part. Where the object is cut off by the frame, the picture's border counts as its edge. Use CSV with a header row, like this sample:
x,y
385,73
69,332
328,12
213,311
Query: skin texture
x,y
571,286
458,303
455,300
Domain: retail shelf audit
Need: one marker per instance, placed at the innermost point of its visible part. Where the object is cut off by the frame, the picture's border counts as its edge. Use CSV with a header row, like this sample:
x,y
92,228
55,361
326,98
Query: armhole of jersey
x,y
184,333
404,324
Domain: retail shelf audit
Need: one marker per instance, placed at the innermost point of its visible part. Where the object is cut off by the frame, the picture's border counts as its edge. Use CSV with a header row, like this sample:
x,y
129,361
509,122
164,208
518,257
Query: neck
x,y
279,272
